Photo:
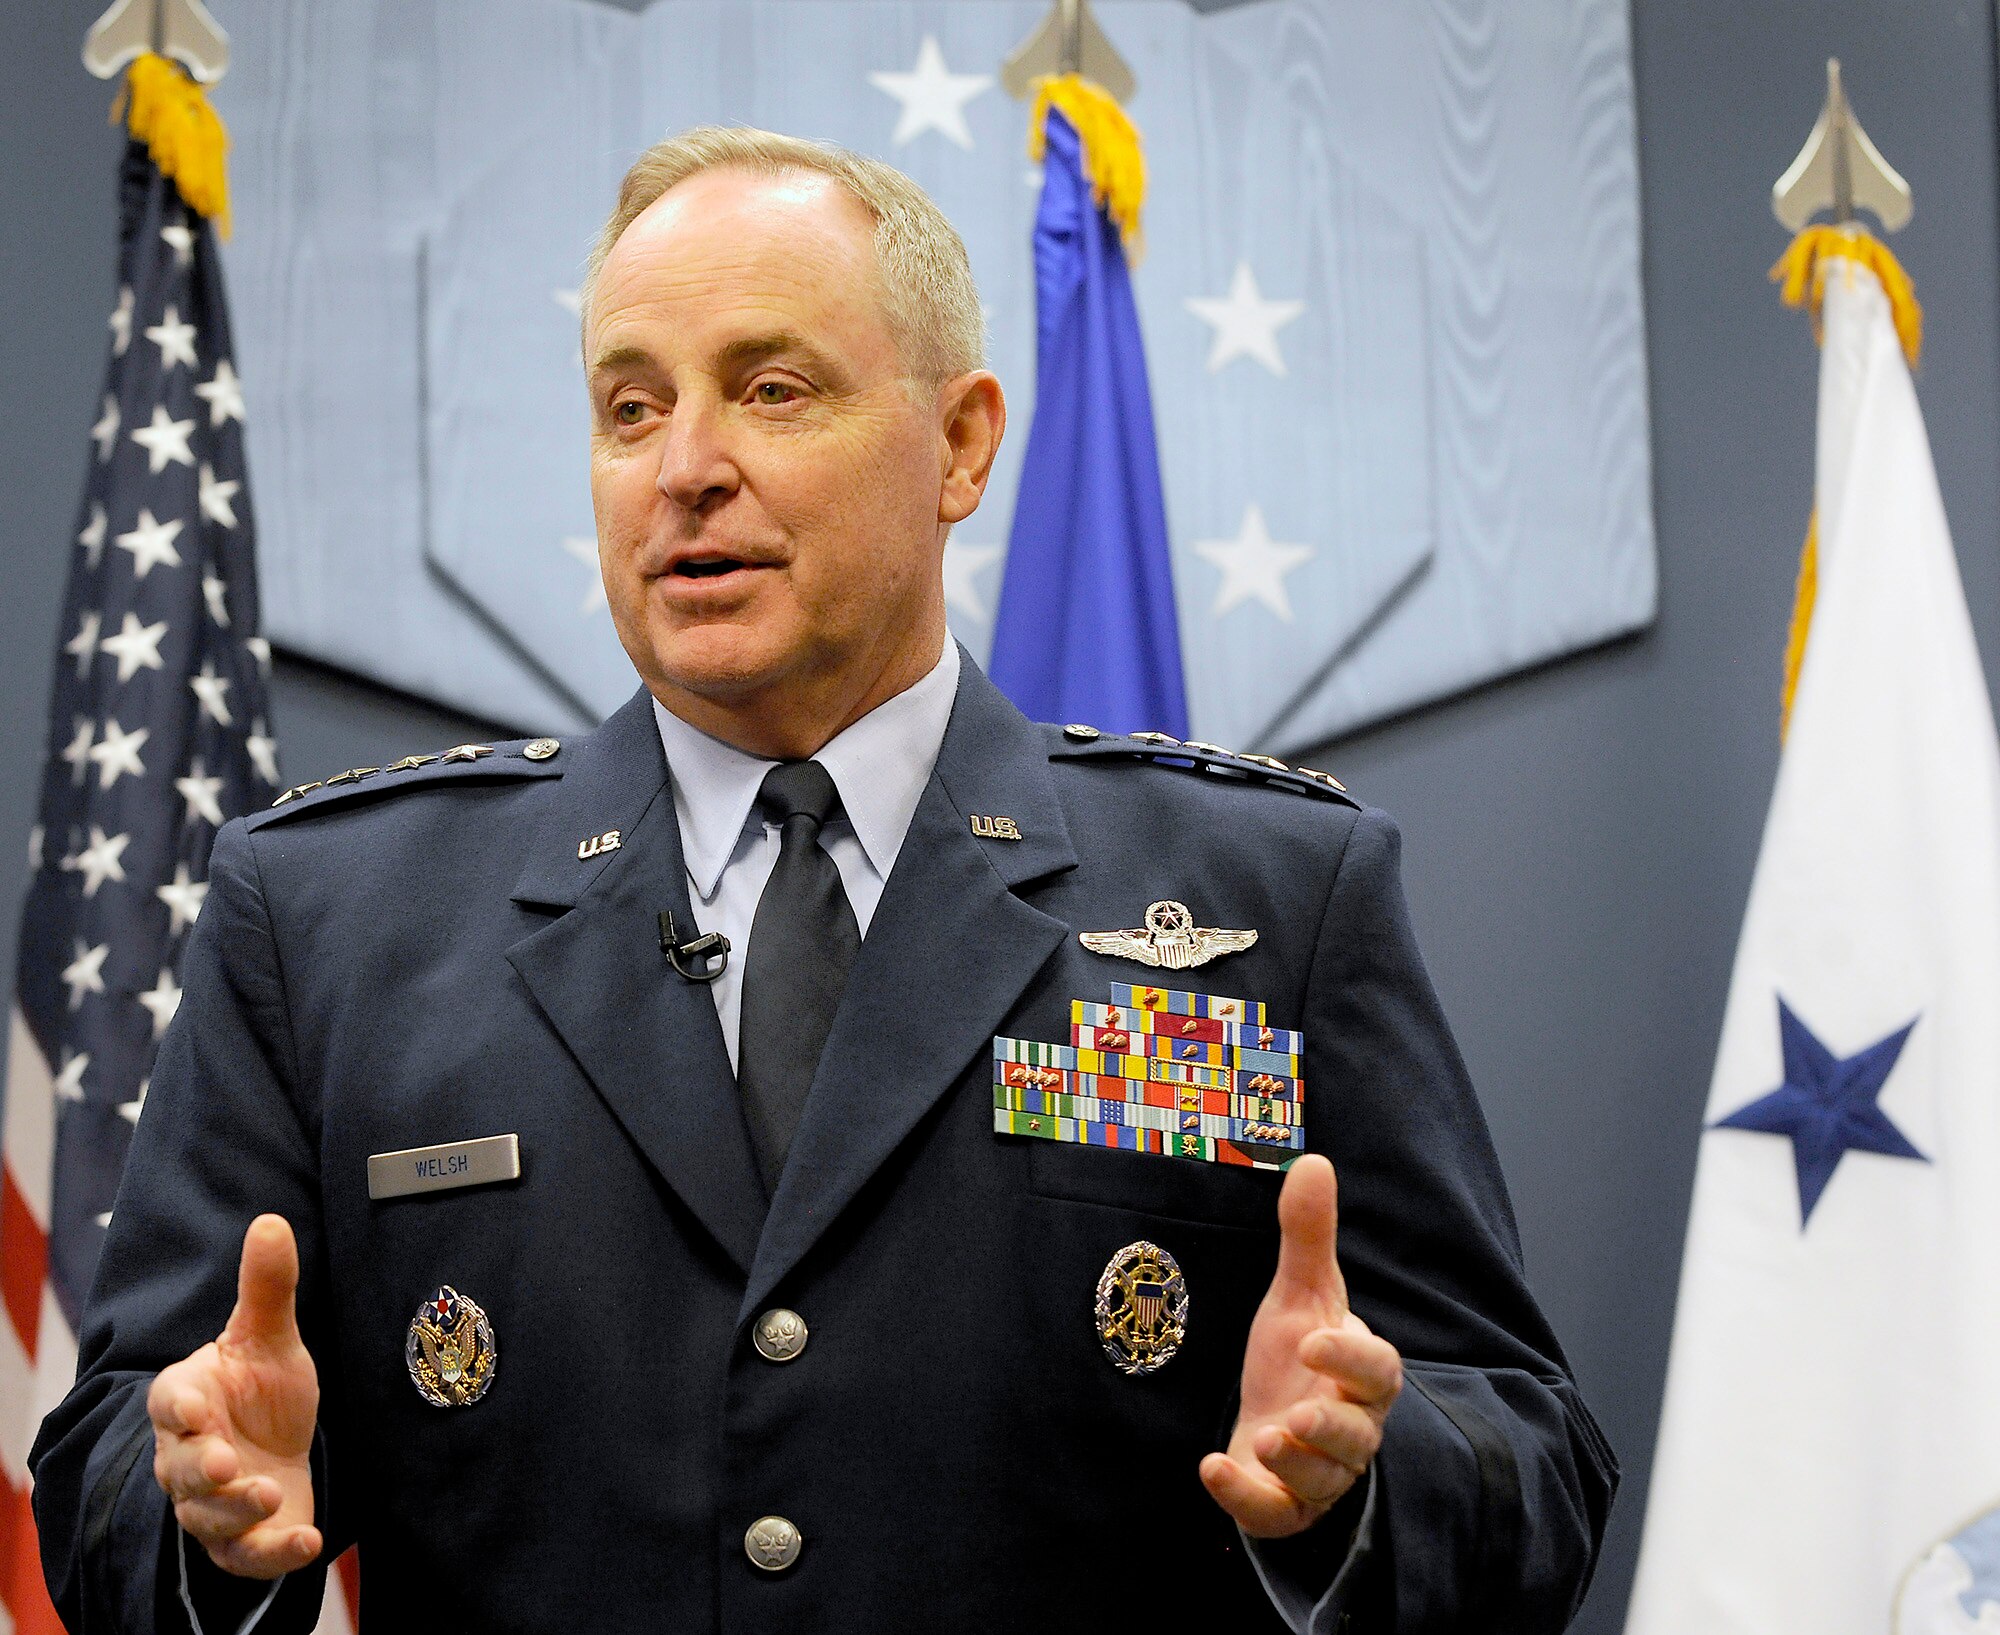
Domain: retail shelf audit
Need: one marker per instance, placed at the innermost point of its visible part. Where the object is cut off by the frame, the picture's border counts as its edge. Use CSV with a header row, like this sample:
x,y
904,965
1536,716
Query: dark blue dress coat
x,y
422,956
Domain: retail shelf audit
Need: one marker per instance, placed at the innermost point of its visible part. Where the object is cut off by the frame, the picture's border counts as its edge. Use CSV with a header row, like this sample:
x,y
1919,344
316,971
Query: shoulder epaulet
x,y
1080,743
522,758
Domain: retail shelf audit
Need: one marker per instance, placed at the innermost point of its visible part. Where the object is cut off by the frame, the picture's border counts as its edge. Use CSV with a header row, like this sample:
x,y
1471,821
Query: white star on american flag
x,y
151,543
117,753
164,439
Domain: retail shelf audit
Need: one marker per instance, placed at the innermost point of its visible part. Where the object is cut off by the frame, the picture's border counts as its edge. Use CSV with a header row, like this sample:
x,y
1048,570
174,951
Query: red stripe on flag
x,y
21,1585
349,1568
24,1262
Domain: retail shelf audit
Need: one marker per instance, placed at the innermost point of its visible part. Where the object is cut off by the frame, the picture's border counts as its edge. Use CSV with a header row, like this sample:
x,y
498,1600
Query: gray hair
x,y
927,289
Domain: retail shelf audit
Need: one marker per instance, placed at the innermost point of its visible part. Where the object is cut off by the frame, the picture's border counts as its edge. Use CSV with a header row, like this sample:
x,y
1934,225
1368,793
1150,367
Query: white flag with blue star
x,y
1831,1435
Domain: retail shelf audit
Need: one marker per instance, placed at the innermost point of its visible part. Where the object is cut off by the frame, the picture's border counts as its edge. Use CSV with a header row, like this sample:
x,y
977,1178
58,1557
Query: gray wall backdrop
x,y
1580,839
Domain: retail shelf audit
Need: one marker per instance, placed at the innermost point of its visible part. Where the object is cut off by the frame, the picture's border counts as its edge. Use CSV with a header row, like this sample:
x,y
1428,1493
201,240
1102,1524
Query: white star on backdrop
x,y
962,566
85,973
174,339
130,1110
164,439
83,645
92,537
260,650
183,898
1246,325
215,500
78,753
151,542
223,393
200,794
214,592
1253,565
162,999
263,750
209,688
105,432
135,647
121,322
68,1084
585,551
99,861
933,97
180,239
117,752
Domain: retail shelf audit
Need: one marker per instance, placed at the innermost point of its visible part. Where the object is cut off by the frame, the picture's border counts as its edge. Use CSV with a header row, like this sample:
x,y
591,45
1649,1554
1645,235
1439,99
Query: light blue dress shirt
x,y
880,765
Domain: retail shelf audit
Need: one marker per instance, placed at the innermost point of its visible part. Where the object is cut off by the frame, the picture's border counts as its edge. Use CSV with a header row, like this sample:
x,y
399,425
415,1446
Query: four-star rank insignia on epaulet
x,y
1185,1075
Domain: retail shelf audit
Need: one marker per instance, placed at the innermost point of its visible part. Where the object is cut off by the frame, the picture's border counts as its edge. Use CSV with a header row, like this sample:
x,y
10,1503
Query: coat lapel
x,y
949,951
648,1040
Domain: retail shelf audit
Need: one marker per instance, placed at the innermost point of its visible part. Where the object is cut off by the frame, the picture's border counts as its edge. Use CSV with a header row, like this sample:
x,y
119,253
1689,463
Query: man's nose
x,y
695,464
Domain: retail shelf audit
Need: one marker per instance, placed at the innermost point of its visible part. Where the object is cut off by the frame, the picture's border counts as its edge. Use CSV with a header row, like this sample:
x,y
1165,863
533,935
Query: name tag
x,y
439,1168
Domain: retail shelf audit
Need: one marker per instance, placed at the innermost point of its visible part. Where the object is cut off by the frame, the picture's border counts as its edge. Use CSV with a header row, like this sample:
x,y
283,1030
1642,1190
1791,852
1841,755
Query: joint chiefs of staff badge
x,y
450,1352
1142,1304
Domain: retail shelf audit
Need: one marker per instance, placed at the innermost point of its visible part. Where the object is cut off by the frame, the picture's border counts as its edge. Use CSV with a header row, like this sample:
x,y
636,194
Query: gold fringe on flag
x,y
1802,271
171,114
1113,157
1802,608
1803,268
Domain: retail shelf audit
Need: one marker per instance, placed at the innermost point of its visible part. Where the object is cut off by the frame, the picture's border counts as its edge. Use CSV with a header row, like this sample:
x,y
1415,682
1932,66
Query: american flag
x,y
158,732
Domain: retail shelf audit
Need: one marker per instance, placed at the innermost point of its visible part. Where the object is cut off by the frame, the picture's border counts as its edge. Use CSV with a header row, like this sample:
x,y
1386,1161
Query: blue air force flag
x,y
1086,629
1831,1430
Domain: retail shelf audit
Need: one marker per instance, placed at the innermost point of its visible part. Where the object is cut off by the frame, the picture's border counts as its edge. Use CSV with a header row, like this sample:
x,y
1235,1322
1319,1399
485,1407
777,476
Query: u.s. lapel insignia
x,y
451,1352
1169,938
1142,1304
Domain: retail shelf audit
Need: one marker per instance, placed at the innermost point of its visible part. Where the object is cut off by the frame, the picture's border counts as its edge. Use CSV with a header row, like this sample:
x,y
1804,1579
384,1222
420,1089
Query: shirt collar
x,y
880,765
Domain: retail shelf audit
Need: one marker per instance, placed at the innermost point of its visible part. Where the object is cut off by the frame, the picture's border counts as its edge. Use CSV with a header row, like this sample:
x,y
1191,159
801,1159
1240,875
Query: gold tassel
x,y
170,113
1113,157
1802,270
1802,610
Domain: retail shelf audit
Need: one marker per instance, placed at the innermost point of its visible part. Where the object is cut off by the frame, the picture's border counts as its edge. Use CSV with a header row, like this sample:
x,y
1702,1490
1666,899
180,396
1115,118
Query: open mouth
x,y
707,567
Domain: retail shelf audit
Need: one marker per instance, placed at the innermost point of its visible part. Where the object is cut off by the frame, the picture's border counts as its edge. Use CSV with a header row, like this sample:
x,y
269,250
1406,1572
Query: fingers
x,y
1368,1370
1256,1501
193,1467
1318,1448
267,1552
229,1511
267,1280
1307,1208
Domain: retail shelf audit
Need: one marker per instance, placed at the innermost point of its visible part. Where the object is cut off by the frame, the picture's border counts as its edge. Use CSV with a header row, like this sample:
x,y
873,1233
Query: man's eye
x,y
628,413
773,392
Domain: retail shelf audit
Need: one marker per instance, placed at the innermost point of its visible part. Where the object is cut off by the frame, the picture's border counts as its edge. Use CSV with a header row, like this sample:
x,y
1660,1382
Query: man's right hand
x,y
233,1424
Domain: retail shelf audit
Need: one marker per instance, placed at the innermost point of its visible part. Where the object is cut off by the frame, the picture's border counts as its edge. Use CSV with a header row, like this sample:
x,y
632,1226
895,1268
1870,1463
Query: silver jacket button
x,y
772,1543
779,1335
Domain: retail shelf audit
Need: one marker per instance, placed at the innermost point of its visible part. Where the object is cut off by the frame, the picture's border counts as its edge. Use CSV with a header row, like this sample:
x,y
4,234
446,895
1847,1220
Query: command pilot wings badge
x,y
1169,939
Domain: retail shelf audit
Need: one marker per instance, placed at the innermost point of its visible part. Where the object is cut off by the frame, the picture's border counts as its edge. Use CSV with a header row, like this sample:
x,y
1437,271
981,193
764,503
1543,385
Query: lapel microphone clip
x,y
701,959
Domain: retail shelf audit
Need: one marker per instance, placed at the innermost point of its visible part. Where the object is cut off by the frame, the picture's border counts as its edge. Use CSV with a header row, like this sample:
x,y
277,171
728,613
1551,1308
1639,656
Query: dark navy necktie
x,y
803,940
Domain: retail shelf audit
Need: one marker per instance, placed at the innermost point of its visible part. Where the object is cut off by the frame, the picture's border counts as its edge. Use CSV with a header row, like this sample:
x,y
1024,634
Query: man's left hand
x,y
1317,1385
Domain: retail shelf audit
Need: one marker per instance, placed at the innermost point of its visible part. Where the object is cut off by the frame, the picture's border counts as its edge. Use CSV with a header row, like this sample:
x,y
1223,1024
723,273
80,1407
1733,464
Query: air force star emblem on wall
x,y
1169,939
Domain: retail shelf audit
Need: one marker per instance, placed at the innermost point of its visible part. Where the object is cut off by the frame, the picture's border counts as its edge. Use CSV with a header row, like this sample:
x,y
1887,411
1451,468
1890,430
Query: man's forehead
x,y
792,211
771,250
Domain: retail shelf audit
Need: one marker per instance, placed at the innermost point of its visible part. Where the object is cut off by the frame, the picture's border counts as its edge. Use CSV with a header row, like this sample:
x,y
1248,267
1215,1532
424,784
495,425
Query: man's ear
x,y
972,417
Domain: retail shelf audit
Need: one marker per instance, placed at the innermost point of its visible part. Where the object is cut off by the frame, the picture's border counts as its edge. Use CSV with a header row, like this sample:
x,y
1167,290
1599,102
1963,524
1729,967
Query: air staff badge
x,y
1169,938
450,1351
1142,1304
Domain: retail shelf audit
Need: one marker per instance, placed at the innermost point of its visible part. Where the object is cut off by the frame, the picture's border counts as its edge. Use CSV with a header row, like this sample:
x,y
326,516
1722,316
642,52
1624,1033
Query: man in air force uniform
x,y
721,1303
